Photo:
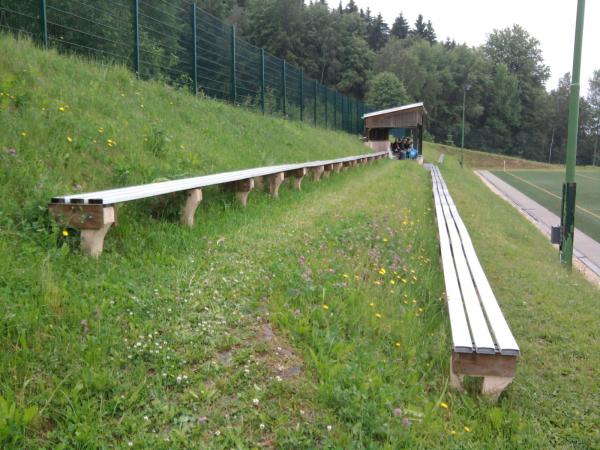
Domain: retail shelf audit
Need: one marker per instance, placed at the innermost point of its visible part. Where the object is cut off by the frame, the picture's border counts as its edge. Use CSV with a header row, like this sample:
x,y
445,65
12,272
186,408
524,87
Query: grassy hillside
x,y
68,125
484,160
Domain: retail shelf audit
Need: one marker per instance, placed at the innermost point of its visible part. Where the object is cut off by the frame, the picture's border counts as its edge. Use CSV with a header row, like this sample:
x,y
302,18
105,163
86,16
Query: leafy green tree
x,y
400,27
593,99
386,91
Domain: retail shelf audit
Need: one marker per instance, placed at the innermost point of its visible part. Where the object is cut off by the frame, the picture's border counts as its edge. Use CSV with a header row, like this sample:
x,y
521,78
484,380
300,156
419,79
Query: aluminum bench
x,y
94,213
483,344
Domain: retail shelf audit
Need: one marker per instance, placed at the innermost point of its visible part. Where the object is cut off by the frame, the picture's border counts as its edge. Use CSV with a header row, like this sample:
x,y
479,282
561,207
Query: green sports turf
x,y
545,187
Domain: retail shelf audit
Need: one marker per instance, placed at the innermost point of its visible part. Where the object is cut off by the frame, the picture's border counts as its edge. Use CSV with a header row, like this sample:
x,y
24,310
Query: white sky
x,y
552,22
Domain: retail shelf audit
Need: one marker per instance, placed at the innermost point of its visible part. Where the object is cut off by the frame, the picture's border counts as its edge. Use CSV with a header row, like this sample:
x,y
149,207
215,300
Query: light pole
x,y
466,87
569,186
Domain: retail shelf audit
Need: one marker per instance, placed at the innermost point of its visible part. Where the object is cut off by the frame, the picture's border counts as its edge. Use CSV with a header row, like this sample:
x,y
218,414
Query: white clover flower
x,y
329,427
262,426
255,401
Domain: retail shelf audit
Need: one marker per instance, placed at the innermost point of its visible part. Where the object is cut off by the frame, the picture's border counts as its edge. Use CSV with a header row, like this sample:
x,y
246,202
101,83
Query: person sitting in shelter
x,y
403,148
395,147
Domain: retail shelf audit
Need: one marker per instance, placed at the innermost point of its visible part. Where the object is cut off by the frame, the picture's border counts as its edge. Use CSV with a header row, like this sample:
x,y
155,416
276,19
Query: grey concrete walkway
x,y
586,249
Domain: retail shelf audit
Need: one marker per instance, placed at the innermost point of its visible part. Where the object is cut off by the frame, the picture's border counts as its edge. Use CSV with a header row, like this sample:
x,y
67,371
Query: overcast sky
x,y
552,22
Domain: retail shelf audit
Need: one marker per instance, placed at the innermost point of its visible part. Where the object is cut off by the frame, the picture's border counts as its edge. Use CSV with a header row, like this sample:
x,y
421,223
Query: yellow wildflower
x,y
23,133
345,275
371,304
69,139
467,429
182,147
61,109
452,432
382,271
378,315
65,232
325,307
397,344
392,282
444,405
385,240
100,130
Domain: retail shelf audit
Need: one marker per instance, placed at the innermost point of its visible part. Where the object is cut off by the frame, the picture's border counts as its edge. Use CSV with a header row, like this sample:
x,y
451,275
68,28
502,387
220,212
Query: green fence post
x,y
334,109
136,36
195,39
326,91
44,23
315,102
233,81
283,88
301,95
262,79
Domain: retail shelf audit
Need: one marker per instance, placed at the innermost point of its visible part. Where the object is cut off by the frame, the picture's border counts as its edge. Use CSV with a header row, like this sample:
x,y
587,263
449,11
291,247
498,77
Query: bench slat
x,y
461,337
482,339
504,338
111,196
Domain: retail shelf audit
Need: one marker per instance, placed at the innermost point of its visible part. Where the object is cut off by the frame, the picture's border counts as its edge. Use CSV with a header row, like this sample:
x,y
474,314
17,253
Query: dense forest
x,y
508,108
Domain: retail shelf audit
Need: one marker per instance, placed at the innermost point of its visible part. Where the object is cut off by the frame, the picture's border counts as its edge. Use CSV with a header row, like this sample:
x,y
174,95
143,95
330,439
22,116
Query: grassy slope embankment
x,y
68,125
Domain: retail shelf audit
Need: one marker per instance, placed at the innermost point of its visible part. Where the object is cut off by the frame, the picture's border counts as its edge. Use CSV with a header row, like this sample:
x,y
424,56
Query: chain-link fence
x,y
178,42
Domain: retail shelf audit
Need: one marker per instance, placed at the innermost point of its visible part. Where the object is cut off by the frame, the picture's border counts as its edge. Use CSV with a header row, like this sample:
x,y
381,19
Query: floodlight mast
x,y
569,186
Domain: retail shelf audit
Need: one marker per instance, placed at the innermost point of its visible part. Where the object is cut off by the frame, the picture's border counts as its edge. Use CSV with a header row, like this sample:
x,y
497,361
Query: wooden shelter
x,y
379,123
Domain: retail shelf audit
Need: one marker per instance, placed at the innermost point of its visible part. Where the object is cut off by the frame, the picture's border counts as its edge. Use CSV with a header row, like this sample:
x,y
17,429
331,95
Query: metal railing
x,y
178,42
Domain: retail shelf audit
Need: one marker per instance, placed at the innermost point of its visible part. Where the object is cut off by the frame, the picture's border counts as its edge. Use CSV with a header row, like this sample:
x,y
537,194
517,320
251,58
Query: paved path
x,y
586,249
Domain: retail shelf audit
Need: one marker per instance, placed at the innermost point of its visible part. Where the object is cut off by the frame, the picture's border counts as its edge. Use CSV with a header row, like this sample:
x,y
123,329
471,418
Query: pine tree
x,y
351,7
400,28
378,32
429,32
420,28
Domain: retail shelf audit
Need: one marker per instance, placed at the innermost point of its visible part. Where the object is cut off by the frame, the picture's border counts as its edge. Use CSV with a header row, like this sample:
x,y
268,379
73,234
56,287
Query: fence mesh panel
x,y
158,40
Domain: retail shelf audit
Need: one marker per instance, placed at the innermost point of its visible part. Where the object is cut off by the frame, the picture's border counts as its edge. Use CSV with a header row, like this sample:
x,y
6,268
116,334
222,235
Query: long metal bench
x,y
483,344
94,213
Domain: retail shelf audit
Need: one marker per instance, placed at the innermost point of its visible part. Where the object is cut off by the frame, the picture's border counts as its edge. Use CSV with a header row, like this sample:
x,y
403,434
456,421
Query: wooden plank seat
x,y
483,344
94,213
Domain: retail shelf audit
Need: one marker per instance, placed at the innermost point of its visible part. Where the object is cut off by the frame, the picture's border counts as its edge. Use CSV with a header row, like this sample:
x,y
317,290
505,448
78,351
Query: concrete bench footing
x,y
317,172
92,241
191,204
498,371
275,181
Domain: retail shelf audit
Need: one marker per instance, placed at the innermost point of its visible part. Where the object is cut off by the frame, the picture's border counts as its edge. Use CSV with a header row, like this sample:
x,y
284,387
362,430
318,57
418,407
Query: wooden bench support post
x,y
327,168
94,222
338,167
298,176
275,181
194,198
456,381
493,386
241,188
497,371
317,172
92,241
